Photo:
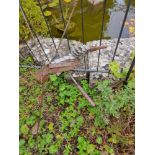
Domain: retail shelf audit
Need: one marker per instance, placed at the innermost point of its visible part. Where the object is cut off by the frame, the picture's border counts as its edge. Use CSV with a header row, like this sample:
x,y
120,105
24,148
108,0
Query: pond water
x,y
115,10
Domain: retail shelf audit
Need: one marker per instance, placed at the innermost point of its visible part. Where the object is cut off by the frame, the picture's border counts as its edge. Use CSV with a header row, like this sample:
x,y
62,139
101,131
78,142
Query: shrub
x,y
35,17
110,104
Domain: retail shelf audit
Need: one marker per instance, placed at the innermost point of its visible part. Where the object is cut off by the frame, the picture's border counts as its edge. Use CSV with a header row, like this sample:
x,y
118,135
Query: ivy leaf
x,y
47,13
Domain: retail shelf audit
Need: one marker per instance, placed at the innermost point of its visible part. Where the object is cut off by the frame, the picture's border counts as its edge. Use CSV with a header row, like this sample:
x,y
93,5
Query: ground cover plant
x,y
56,119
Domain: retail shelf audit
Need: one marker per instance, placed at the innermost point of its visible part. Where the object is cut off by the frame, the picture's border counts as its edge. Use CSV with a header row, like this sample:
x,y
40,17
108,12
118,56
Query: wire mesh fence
x,y
42,58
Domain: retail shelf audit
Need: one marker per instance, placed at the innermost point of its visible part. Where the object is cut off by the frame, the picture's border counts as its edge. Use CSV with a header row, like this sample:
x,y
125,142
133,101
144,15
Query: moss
x,y
35,17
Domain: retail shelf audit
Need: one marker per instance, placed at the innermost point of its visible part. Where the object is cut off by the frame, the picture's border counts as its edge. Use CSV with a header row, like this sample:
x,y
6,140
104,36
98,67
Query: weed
x,y
64,116
86,148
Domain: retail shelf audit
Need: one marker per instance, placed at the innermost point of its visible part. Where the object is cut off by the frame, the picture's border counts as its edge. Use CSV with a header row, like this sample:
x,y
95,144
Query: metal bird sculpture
x,y
66,63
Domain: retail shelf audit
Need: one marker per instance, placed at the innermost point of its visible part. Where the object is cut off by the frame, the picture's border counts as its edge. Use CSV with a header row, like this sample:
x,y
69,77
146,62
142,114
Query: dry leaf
x,y
35,128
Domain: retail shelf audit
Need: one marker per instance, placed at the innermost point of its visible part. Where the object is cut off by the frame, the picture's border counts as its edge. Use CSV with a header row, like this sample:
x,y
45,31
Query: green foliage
x,y
47,13
53,78
109,149
110,104
48,137
53,3
24,129
50,127
67,150
113,139
118,72
132,55
31,142
68,122
115,70
68,94
71,122
31,120
57,22
86,148
99,140
35,17
53,149
21,142
67,1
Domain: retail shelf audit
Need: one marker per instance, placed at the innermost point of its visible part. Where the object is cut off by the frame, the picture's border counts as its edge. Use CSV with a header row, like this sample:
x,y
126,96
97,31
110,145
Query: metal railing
x,y
86,69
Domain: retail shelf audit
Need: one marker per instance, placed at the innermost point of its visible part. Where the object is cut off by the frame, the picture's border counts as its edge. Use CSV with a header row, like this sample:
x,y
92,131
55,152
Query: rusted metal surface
x,y
67,65
83,92
96,48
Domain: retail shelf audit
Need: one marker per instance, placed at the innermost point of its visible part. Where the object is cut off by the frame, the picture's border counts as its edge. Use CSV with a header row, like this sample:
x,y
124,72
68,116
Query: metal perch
x,y
83,92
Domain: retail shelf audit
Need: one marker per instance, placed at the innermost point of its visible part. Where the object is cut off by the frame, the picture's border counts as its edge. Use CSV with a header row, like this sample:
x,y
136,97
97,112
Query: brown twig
x,y
83,92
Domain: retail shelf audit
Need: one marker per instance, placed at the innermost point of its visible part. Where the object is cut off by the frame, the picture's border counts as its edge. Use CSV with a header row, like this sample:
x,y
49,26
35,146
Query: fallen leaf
x,y
35,128
50,126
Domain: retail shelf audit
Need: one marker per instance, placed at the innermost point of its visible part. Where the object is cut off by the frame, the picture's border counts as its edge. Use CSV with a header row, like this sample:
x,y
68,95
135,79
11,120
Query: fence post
x,y
61,10
48,27
83,41
120,34
102,30
129,72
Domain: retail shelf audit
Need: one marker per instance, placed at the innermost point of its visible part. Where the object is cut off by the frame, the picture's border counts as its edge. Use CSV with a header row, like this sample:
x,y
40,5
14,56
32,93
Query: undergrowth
x,y
56,119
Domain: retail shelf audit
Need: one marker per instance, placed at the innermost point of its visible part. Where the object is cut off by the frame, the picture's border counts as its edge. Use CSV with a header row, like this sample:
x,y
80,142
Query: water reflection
x,y
120,2
114,25
93,10
132,2
116,18
94,2
92,21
